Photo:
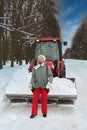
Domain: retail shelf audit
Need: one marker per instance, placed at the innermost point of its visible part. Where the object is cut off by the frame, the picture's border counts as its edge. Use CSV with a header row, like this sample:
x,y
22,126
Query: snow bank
x,y
19,82
5,77
63,86
10,77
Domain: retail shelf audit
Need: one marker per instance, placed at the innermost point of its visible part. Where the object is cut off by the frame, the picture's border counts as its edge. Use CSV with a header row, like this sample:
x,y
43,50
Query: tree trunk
x,y
1,53
1,32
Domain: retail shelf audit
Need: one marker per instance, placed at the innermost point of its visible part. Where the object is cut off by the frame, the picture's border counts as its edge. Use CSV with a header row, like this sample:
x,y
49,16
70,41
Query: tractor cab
x,y
51,48
48,48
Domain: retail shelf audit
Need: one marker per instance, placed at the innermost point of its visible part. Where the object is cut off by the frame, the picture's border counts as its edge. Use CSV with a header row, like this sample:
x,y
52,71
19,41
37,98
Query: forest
x,y
78,48
20,22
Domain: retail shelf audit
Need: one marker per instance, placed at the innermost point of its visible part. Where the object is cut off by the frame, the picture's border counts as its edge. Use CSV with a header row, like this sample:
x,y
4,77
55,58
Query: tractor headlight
x,y
54,40
37,40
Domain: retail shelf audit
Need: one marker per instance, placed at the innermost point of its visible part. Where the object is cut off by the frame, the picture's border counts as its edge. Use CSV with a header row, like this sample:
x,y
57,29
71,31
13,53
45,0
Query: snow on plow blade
x,y
63,91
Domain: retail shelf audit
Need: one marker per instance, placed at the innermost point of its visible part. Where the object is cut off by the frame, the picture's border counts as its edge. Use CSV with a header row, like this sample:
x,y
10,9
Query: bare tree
x,y
42,19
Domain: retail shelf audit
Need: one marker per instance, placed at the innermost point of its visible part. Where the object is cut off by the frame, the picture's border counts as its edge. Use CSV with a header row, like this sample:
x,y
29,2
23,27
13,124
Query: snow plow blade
x,y
61,93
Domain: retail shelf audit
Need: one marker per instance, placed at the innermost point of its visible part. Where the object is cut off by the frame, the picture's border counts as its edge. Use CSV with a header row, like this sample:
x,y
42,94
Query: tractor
x,y
51,48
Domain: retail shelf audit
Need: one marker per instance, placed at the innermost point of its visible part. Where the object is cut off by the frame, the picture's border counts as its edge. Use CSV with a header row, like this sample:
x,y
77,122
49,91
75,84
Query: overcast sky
x,y
72,13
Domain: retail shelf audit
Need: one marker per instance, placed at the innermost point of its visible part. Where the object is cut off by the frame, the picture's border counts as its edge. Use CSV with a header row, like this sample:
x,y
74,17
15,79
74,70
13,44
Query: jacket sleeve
x,y
32,78
50,75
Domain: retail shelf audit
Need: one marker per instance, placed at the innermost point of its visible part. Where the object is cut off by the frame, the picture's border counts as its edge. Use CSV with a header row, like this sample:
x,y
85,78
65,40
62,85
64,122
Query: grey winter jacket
x,y
41,76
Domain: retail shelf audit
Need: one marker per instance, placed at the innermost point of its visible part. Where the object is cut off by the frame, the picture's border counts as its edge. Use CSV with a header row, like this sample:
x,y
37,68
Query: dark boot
x,y
32,116
44,115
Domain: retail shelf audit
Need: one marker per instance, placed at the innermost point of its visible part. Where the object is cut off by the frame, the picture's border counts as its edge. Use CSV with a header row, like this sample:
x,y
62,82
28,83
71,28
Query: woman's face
x,y
40,59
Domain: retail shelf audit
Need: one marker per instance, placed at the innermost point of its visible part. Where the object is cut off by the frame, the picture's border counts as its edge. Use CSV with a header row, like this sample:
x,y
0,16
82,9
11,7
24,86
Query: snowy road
x,y
60,117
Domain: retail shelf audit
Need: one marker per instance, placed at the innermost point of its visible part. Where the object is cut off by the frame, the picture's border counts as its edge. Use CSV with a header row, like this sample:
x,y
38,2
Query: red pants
x,y
44,95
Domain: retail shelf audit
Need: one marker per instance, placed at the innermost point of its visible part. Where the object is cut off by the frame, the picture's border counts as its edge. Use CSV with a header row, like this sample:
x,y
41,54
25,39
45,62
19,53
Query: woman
x,y
40,83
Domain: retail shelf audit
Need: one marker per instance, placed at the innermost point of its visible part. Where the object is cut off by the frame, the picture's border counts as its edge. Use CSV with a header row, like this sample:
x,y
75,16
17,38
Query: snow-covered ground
x,y
15,116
